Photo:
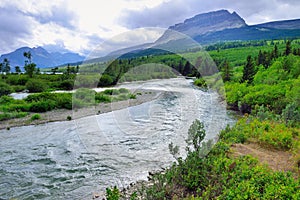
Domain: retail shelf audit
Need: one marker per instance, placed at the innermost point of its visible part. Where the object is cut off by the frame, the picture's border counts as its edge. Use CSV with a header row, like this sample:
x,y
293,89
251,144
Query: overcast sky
x,y
82,25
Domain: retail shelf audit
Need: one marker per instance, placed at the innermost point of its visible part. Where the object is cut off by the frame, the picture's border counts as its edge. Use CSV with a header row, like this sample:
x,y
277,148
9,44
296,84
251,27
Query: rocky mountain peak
x,y
202,24
208,22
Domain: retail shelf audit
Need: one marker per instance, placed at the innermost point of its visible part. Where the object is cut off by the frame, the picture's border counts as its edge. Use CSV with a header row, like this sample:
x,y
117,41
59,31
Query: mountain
x,y
220,26
205,23
40,57
214,27
286,24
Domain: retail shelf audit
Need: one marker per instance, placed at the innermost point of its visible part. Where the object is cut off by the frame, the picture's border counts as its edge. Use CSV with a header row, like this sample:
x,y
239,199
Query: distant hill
x,y
40,57
286,24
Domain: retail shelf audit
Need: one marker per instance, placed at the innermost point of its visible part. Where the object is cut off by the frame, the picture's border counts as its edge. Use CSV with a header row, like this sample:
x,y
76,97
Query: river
x,y
74,159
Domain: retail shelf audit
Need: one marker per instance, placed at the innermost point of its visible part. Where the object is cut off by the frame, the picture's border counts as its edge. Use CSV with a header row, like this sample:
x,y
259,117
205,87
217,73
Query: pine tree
x,y
6,66
261,58
249,71
288,48
226,71
275,52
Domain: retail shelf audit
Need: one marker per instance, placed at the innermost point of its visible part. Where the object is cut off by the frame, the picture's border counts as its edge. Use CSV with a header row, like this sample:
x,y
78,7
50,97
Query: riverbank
x,y
142,96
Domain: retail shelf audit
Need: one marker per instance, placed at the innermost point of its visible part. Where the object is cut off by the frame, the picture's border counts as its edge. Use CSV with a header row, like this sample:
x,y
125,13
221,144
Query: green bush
x,y
17,79
42,106
200,83
84,97
67,84
18,88
105,80
63,100
35,117
102,98
12,115
112,194
36,85
268,133
6,100
5,89
132,96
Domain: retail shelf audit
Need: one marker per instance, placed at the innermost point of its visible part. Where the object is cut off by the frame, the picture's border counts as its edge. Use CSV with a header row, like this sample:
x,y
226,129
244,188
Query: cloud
x,y
59,14
126,40
15,28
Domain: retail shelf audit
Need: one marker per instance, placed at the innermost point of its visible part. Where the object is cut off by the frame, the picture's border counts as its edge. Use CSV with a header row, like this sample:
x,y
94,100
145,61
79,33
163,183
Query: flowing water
x,y
74,159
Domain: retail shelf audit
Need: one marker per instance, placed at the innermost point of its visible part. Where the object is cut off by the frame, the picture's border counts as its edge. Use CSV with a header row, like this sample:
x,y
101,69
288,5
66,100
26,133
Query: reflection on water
x,y
73,159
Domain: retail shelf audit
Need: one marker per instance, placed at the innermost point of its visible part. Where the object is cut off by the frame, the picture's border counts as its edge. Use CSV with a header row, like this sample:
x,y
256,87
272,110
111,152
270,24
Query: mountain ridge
x,y
41,57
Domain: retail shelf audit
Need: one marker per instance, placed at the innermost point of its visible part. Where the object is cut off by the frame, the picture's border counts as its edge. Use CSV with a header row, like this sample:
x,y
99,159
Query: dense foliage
x,y
216,174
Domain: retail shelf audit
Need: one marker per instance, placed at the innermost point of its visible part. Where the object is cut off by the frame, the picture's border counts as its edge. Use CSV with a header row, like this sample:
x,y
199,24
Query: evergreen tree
x,y
68,69
275,52
261,58
249,71
226,71
187,68
288,48
6,66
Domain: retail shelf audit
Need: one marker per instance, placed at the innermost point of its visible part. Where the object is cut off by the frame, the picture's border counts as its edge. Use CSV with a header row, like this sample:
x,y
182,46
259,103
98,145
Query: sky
x,y
83,25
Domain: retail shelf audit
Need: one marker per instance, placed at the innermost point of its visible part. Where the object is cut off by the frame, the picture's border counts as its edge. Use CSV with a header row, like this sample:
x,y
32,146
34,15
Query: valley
x,y
209,110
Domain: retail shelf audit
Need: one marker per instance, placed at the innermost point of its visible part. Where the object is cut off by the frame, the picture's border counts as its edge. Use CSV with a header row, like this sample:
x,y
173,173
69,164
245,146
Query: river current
x,y
74,159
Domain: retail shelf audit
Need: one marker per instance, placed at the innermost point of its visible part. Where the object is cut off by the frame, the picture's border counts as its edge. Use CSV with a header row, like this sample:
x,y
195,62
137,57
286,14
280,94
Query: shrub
x,y
105,80
63,100
100,97
112,194
291,114
200,83
132,96
6,100
18,88
40,97
84,97
69,118
42,106
35,117
67,84
5,89
36,85
11,115
269,133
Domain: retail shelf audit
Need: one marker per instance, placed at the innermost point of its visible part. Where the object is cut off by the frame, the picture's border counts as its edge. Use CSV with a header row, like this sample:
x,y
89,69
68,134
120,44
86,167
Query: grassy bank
x,y
42,102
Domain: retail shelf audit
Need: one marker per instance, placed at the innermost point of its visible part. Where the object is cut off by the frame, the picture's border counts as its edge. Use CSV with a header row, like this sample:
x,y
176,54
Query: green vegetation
x,y
35,117
213,173
46,101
